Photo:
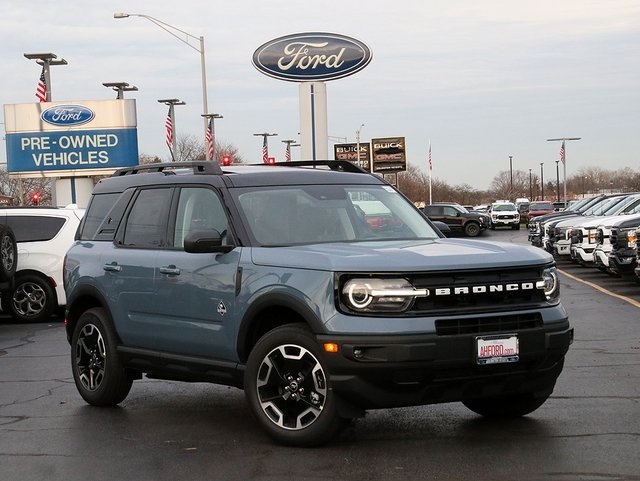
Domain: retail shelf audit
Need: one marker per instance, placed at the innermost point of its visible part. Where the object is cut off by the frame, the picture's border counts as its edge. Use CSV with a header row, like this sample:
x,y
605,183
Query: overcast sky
x,y
482,80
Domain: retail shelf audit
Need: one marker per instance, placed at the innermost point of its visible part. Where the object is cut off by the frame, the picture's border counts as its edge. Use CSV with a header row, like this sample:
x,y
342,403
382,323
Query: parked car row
x,y
598,232
472,222
42,236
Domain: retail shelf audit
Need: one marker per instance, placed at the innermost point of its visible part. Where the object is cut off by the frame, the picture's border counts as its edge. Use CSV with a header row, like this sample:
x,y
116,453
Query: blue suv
x,y
316,287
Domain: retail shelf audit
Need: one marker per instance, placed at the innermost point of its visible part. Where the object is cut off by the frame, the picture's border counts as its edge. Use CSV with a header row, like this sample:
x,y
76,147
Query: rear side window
x,y
34,228
96,214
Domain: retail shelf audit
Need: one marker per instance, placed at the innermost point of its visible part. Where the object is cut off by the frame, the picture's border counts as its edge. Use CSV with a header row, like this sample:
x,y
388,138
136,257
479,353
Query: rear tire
x,y
287,387
98,373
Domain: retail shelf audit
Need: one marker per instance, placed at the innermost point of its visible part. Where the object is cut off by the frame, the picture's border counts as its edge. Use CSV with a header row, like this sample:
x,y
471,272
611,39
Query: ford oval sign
x,y
67,115
311,57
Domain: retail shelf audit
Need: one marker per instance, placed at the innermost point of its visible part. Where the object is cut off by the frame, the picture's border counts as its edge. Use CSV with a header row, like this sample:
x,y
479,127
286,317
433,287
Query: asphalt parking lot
x,y
587,430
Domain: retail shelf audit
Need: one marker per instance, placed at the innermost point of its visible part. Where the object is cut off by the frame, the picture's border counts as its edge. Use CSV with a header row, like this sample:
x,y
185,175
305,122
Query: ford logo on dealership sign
x,y
67,115
311,57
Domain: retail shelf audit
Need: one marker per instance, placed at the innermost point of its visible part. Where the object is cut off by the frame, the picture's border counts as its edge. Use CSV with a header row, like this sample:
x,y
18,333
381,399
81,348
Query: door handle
x,y
170,270
113,267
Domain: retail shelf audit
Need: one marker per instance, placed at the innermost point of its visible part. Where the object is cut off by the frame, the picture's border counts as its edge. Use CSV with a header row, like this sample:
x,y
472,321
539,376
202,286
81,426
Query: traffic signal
x,y
35,199
226,160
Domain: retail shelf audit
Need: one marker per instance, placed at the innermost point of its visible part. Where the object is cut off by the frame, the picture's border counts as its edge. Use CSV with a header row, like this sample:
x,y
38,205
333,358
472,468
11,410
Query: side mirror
x,y
205,241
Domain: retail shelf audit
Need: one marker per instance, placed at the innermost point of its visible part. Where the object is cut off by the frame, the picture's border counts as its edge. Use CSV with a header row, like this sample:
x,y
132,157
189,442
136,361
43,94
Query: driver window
x,y
199,208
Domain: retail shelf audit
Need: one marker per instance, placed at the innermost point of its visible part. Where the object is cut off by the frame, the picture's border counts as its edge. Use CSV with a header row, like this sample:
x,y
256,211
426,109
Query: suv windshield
x,y
310,214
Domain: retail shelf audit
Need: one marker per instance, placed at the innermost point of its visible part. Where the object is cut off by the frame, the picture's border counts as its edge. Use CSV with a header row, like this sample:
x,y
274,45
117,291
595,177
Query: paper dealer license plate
x,y
497,349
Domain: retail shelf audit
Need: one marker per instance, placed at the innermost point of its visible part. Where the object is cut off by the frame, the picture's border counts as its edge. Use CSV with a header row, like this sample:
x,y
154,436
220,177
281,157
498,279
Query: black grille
x,y
524,295
617,240
484,325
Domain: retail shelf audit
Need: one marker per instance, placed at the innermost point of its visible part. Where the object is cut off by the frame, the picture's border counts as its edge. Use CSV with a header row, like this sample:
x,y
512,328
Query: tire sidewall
x,y
327,425
7,233
50,304
116,384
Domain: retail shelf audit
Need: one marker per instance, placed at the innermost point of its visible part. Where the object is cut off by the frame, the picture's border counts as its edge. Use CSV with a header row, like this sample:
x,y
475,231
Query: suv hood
x,y
397,256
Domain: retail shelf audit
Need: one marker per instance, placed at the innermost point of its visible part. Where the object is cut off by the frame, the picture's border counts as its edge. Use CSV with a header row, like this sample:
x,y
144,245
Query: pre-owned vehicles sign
x,y
60,139
311,57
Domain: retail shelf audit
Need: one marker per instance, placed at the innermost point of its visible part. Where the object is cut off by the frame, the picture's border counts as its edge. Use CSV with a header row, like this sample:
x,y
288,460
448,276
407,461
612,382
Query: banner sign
x,y
349,152
60,139
389,154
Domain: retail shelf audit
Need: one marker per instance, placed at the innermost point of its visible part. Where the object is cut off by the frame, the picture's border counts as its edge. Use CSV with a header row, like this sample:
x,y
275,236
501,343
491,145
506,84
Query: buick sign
x,y
311,57
67,115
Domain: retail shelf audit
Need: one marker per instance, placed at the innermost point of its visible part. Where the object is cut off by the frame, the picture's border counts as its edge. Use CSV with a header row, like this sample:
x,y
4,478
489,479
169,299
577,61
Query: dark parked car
x,y
459,219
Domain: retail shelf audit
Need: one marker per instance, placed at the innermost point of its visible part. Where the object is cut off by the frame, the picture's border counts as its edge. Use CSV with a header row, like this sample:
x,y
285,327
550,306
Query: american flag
x,y
562,152
41,89
208,137
169,125
287,153
430,164
265,151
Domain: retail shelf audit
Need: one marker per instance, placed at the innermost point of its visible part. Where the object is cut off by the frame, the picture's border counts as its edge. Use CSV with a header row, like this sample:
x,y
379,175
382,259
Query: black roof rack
x,y
169,168
341,165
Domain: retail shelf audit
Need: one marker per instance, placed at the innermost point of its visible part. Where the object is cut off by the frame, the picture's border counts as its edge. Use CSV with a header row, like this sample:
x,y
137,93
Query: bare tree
x,y
13,187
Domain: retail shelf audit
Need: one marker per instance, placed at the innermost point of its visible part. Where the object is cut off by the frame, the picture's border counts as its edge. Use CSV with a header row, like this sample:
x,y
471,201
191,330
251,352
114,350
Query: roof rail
x,y
169,168
341,165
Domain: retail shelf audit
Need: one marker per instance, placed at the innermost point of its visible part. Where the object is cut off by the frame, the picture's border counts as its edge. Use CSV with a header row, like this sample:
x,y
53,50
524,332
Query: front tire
x,y
507,407
98,373
472,229
8,254
287,387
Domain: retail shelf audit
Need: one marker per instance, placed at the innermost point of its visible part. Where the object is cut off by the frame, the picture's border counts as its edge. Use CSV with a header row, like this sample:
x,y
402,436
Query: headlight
x,y
380,295
632,237
549,283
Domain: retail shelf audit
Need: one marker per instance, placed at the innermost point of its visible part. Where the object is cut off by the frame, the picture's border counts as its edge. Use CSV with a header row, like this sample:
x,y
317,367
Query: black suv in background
x,y
459,219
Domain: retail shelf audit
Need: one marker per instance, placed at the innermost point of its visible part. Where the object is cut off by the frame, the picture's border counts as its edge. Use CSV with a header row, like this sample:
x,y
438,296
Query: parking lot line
x,y
601,289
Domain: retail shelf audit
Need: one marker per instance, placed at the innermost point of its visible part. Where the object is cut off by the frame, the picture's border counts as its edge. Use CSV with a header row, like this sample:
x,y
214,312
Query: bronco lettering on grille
x,y
455,291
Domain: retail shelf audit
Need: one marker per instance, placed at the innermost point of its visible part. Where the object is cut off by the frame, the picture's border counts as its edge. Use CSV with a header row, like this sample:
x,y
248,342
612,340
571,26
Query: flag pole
x,y
430,173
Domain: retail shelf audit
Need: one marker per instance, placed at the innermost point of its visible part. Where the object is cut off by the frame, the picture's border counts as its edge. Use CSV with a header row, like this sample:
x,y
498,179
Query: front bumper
x,y
391,371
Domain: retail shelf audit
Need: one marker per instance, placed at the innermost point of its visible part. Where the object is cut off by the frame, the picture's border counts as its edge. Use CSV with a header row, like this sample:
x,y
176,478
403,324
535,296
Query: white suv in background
x,y
43,235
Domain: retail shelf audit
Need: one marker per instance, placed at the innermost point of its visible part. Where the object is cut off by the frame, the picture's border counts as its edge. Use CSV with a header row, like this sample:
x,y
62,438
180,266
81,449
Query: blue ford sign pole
x,y
312,59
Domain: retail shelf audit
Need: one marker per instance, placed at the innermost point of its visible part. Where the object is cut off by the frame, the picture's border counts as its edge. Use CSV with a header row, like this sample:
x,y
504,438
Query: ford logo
x,y
304,57
67,115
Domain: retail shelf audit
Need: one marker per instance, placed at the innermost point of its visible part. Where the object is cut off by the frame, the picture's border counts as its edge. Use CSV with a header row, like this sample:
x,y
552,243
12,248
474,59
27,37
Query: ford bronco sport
x,y
316,287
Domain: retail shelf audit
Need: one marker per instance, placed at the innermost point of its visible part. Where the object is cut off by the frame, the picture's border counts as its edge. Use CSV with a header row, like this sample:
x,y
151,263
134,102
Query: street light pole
x,y
46,60
542,180
530,187
511,175
358,149
558,181
563,157
287,152
174,138
265,145
120,88
213,117
171,30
